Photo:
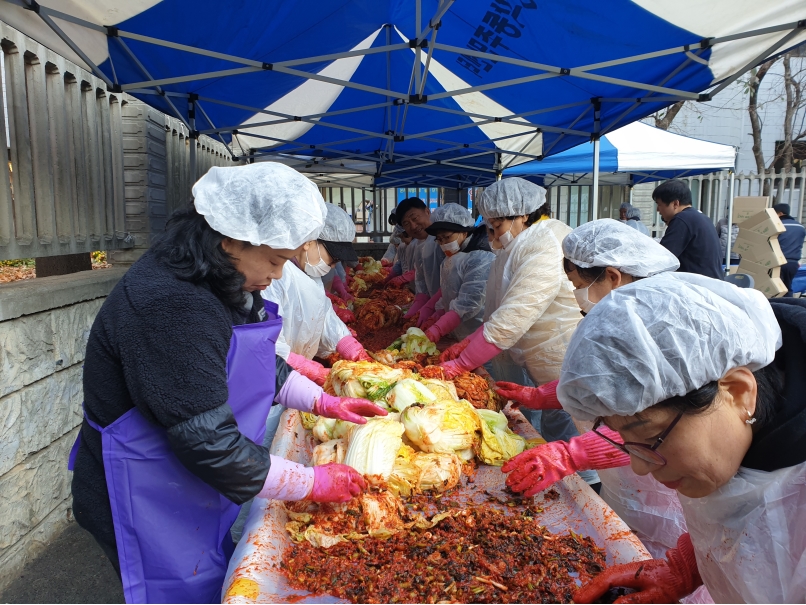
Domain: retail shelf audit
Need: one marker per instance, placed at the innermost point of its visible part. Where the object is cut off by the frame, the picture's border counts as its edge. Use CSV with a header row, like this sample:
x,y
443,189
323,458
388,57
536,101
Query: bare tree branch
x,y
756,76
664,121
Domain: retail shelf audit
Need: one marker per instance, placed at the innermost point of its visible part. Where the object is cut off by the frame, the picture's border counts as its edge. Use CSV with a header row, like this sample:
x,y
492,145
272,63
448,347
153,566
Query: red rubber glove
x,y
385,263
541,467
312,370
541,398
655,580
427,310
444,326
419,302
349,348
402,280
477,354
453,351
350,409
336,483
343,314
340,289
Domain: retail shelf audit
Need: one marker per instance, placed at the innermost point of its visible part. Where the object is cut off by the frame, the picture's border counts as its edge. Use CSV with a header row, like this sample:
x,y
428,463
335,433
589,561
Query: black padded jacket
x,y
160,344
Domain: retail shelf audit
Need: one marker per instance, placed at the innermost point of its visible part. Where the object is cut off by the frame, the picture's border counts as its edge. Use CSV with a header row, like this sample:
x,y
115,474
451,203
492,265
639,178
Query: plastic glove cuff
x,y
591,452
287,480
299,393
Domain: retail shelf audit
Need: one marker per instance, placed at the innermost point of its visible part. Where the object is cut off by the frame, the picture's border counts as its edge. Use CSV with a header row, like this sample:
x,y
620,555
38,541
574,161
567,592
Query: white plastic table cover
x,y
254,574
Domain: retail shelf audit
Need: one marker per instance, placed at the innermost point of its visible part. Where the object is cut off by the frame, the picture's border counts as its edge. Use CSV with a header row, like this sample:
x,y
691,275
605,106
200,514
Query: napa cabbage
x,y
498,443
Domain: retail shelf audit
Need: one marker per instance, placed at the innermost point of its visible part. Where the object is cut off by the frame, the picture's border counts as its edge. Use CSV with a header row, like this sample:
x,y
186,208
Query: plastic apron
x,y
172,529
749,537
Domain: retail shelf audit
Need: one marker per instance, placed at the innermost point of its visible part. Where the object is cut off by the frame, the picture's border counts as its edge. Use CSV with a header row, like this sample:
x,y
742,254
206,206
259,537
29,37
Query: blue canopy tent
x,y
632,154
402,92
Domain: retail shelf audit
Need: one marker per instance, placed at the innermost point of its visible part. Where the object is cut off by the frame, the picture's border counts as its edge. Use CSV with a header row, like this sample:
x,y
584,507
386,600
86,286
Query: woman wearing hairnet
x,y
463,274
179,377
315,330
601,256
414,216
704,382
403,270
634,220
529,310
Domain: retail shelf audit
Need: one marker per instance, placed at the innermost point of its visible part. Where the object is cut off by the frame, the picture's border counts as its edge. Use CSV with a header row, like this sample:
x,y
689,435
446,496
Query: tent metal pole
x,y
595,191
193,139
191,78
730,224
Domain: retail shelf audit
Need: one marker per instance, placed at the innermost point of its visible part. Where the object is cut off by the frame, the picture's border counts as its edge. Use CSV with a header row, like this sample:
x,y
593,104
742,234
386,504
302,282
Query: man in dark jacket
x,y
791,245
690,235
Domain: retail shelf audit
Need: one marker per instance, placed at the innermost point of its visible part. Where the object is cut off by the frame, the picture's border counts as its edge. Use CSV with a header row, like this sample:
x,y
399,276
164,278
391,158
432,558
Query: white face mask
x,y
505,239
581,294
450,248
320,269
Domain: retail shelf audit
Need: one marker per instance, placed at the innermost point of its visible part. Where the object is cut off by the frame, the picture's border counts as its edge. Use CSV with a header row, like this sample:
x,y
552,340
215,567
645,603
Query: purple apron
x,y
172,529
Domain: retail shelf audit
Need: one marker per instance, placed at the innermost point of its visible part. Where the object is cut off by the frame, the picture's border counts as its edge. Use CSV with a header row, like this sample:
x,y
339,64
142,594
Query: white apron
x,y
750,537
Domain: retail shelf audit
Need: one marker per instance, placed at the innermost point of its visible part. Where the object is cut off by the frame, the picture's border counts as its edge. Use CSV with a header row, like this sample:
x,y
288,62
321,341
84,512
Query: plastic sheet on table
x,y
254,574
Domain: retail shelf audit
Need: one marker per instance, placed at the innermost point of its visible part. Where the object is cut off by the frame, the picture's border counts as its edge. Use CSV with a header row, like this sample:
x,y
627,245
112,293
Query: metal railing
x,y
62,188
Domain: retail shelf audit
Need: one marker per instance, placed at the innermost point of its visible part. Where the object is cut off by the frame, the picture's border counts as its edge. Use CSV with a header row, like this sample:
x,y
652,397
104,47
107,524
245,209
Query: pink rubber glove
x,y
402,280
444,326
340,289
656,580
453,351
336,483
476,354
419,302
287,480
437,314
427,310
540,398
350,409
541,467
312,370
386,263
349,348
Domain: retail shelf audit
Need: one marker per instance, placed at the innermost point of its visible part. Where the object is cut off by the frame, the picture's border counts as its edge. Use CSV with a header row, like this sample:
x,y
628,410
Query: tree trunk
x,y
663,122
791,108
756,76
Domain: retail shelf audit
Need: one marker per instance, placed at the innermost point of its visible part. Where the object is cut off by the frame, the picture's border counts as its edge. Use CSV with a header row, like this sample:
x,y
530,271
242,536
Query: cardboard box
x,y
768,282
765,222
747,207
762,250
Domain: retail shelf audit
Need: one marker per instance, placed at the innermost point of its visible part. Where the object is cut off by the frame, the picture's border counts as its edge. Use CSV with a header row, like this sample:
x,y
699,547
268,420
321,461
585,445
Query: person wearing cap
x,y
313,328
601,256
179,377
633,220
413,215
705,383
459,308
529,309
791,245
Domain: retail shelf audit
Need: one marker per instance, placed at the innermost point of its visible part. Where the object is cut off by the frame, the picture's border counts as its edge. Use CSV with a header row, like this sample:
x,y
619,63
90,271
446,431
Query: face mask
x,y
320,269
581,294
505,239
450,248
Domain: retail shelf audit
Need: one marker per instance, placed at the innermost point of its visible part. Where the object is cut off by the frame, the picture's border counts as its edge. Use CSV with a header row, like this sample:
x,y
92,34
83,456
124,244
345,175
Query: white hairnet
x,y
339,227
625,206
662,337
609,243
511,197
633,212
453,213
263,203
394,239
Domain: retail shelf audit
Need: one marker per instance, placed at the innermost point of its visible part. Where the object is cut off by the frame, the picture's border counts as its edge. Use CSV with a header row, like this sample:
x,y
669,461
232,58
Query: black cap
x,y
340,251
410,203
782,208
435,228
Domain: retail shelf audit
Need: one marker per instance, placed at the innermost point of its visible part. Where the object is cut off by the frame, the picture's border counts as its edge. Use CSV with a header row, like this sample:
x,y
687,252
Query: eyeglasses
x,y
647,453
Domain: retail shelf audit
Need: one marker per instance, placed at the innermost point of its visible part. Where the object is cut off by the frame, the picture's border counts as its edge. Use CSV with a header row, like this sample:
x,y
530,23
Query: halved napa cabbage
x,y
407,392
373,446
419,471
308,419
326,429
445,426
364,379
329,451
443,389
498,443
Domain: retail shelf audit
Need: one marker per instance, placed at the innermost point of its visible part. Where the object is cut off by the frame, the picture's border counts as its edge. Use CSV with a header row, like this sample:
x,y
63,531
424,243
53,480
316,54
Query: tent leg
x,y
595,191
193,140
730,224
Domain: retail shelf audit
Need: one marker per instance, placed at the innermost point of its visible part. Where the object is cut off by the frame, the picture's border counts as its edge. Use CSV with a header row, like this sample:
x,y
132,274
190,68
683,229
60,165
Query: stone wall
x,y
44,326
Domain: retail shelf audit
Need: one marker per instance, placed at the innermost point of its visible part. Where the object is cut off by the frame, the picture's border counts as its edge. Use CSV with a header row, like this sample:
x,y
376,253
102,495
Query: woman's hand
x,y
655,580
535,398
347,408
336,483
